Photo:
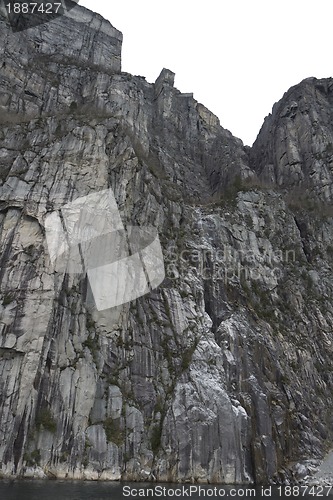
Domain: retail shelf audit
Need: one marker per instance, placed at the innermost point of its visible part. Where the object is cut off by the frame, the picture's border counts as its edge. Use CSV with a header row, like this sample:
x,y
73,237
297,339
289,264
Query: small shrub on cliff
x,y
113,432
8,299
46,421
156,438
32,459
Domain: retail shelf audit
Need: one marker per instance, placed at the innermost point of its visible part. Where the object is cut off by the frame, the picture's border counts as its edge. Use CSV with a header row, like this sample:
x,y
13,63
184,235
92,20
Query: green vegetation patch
x,y
113,431
33,458
45,420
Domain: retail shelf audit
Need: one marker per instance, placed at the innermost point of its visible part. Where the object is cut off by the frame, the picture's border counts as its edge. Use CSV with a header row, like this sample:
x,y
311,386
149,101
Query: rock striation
x,y
295,145
224,373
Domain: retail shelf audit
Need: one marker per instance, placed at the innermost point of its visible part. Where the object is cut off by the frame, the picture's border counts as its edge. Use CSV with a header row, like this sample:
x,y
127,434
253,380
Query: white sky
x,y
238,57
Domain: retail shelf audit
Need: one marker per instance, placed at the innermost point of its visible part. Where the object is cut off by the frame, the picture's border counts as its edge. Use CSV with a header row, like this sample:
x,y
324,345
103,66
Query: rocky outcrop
x,y
295,145
224,372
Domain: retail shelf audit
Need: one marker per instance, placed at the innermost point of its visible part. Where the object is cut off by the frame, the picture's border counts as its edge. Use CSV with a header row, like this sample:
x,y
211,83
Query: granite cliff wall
x,y
224,372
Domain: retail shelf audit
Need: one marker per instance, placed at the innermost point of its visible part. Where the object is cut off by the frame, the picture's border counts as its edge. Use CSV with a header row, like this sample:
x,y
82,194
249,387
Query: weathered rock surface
x,y
295,145
224,372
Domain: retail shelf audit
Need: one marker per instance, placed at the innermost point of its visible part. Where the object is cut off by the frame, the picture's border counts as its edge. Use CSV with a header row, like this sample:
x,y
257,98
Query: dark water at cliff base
x,y
78,490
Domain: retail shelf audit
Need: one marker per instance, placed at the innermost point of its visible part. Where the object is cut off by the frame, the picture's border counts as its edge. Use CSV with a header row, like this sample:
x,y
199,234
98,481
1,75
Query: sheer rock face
x,y
295,145
224,372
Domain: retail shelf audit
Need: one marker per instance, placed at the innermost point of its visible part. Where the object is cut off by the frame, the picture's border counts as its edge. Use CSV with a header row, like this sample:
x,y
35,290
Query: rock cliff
x,y
224,372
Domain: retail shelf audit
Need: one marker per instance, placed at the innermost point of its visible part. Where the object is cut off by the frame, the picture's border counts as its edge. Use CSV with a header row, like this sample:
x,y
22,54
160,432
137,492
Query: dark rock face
x,y
224,372
295,145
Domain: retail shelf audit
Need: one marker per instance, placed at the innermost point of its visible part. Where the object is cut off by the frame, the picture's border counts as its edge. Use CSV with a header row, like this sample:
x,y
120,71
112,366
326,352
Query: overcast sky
x,y
238,57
